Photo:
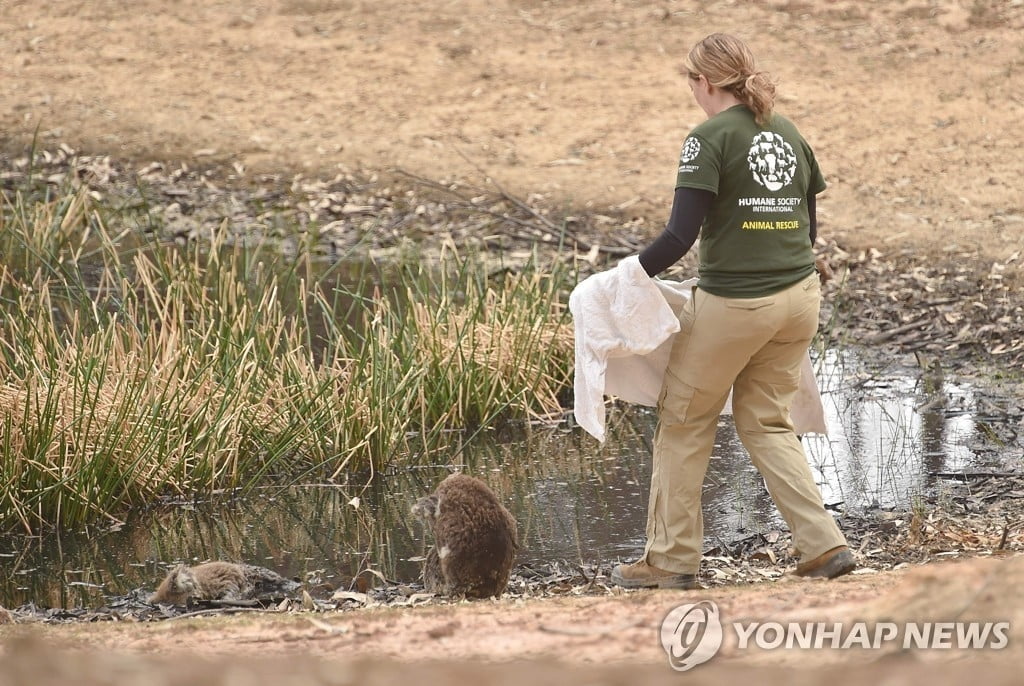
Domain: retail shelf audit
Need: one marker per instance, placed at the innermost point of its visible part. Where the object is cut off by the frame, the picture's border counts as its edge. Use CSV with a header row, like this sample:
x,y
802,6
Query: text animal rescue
x,y
771,226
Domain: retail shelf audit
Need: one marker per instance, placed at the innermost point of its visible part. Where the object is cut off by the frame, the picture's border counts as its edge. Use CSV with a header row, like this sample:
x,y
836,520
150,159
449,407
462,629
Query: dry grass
x,y
132,369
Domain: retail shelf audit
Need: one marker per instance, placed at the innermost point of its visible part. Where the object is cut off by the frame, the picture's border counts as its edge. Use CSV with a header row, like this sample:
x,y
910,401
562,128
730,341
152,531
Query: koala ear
x,y
426,507
176,574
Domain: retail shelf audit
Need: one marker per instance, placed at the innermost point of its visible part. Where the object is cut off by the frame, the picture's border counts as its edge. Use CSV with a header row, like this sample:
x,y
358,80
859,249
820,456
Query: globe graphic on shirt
x,y
772,160
691,148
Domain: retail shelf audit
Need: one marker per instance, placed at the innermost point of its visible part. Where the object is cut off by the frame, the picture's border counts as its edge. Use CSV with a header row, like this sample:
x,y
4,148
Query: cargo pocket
x,y
674,401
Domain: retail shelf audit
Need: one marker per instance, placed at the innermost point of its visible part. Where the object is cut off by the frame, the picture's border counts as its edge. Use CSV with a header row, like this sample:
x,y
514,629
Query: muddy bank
x,y
618,629
974,515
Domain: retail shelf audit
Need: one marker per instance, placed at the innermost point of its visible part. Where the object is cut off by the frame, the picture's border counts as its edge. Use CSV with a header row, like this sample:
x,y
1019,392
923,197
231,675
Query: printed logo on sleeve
x,y
772,160
691,148
690,151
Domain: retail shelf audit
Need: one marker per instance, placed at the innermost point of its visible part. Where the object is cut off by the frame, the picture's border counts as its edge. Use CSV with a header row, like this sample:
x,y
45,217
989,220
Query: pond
x,y
893,432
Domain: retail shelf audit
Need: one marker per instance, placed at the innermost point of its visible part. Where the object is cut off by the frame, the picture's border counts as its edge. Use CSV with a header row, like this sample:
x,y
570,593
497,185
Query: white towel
x,y
625,323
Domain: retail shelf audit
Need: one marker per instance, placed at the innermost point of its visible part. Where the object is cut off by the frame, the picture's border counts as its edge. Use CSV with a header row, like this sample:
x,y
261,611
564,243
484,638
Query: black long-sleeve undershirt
x,y
689,208
812,212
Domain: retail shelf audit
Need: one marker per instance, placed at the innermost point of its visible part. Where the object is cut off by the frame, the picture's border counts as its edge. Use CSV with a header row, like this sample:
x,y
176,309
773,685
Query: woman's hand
x,y
825,273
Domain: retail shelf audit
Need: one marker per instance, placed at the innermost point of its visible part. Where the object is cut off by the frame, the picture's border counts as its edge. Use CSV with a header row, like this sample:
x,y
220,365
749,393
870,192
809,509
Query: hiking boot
x,y
642,575
828,565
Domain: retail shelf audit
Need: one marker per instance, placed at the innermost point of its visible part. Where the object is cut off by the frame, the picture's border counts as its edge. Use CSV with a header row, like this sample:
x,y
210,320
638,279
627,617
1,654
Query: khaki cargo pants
x,y
754,346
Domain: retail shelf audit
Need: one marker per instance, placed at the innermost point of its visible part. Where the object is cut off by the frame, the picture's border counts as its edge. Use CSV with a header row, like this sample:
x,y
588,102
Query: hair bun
x,y
727,63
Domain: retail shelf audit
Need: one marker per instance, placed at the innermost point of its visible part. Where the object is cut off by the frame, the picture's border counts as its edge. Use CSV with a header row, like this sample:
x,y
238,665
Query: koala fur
x,y
219,581
475,539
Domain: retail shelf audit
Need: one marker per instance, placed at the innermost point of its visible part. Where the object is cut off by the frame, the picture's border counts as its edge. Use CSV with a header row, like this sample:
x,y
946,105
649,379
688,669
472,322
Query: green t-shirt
x,y
755,239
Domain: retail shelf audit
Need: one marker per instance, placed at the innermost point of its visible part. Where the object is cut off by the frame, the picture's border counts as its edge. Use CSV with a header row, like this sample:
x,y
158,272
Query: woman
x,y
746,184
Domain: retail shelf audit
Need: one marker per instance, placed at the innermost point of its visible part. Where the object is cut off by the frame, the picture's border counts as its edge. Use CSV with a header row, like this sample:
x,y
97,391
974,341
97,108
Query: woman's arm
x,y
812,211
689,208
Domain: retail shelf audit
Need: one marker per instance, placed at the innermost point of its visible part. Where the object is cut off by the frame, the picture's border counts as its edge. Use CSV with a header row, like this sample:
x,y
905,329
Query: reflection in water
x,y
889,433
573,499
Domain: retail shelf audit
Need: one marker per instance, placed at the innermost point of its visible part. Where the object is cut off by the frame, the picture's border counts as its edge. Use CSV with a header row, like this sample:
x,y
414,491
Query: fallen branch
x,y
539,223
219,611
964,476
883,336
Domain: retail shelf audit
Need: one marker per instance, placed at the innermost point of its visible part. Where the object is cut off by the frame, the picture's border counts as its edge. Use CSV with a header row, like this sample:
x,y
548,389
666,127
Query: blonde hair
x,y
727,63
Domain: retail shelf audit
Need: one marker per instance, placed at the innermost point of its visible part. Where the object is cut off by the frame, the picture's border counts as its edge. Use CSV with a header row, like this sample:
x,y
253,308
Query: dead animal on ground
x,y
475,539
221,581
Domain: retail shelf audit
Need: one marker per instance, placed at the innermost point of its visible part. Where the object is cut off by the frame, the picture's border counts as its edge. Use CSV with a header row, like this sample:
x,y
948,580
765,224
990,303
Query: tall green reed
x,y
133,368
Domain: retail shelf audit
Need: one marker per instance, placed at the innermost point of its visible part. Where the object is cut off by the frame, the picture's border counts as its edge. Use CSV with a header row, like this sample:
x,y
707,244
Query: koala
x,y
220,581
475,539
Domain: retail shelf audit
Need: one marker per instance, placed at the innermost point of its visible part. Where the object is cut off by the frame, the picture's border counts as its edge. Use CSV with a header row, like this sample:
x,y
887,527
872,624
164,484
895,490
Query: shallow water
x,y
890,432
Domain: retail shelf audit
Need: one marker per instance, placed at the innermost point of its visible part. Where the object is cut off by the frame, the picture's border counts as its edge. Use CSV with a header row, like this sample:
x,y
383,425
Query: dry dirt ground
x,y
912,107
908,103
612,639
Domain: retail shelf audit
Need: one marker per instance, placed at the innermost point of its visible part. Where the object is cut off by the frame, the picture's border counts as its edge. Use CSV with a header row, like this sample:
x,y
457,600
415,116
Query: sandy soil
x,y
908,104
567,639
